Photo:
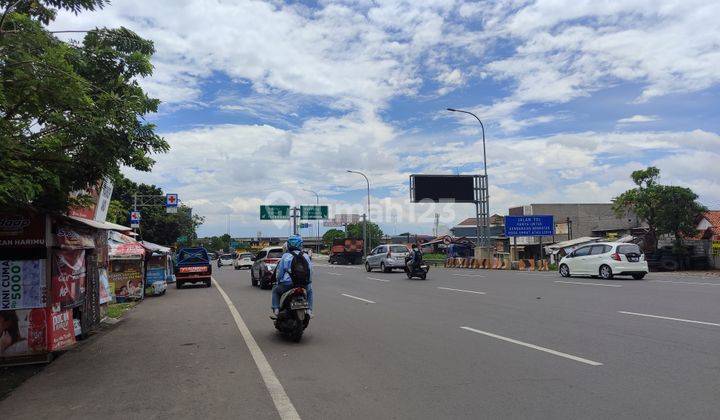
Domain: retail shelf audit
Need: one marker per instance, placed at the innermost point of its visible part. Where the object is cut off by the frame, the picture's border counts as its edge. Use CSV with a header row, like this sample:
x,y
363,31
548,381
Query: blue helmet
x,y
294,242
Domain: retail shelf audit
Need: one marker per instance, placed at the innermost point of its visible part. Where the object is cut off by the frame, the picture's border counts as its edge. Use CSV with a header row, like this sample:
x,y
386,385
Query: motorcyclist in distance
x,y
415,258
284,280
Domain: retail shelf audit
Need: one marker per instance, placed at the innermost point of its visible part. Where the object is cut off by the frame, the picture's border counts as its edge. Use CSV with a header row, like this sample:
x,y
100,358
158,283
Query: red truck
x,y
193,266
346,251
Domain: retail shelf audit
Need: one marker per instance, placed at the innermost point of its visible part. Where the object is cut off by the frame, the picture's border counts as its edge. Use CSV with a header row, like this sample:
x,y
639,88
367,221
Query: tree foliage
x,y
374,233
332,234
70,113
666,209
156,225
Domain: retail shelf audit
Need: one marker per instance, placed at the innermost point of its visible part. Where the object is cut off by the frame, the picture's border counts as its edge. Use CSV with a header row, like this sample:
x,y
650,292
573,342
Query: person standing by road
x,y
283,274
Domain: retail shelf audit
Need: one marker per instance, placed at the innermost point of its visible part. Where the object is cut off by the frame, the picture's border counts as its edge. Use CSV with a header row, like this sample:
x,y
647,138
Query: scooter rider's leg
x,y
276,295
309,292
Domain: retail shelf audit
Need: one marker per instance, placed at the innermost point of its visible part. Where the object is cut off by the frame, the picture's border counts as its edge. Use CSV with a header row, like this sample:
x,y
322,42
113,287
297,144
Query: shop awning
x,y
100,225
155,248
123,246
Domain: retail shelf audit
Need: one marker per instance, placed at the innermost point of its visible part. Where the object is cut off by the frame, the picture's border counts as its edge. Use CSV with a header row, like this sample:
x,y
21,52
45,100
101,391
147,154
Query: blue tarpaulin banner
x,y
529,226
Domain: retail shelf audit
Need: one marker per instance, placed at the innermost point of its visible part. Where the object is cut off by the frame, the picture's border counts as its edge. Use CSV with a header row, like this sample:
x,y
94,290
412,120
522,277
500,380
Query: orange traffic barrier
x,y
521,265
532,265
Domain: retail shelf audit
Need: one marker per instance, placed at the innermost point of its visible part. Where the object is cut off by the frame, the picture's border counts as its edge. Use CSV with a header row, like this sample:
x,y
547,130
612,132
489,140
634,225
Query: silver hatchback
x,y
387,257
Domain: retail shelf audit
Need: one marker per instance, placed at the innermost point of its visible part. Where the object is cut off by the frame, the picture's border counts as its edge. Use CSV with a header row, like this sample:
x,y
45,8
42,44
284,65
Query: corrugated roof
x,y
100,225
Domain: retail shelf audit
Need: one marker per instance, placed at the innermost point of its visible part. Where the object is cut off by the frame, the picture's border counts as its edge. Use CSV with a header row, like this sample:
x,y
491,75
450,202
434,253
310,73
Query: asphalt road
x,y
461,344
407,356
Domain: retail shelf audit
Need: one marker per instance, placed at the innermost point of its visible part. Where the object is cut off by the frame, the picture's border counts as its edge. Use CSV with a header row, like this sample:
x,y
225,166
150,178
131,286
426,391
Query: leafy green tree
x,y
70,113
374,233
156,225
666,209
331,235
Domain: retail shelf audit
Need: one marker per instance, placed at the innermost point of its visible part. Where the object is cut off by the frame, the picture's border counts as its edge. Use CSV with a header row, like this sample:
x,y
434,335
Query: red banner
x,y
68,280
193,269
61,330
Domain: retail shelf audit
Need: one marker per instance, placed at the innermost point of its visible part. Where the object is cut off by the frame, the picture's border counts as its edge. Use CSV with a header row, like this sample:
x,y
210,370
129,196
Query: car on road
x,y
387,257
244,260
261,272
193,266
605,260
225,259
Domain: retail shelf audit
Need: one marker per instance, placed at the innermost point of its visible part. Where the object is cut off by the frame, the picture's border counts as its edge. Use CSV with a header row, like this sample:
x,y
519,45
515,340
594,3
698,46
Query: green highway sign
x,y
274,212
314,212
182,239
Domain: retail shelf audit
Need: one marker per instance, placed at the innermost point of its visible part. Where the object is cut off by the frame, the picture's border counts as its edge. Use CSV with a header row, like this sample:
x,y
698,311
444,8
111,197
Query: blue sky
x,y
262,100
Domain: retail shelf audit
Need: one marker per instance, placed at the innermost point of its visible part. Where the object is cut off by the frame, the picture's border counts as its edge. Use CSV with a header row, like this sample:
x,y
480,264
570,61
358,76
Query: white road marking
x,y
533,346
587,284
468,275
461,290
377,279
338,266
672,319
335,274
685,282
282,402
355,297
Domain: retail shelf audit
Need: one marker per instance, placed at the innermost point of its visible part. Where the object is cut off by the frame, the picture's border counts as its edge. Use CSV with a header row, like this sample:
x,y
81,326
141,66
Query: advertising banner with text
x,y
22,284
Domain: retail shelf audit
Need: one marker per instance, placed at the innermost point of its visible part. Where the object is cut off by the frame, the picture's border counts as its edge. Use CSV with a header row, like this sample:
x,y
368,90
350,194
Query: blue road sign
x,y
529,226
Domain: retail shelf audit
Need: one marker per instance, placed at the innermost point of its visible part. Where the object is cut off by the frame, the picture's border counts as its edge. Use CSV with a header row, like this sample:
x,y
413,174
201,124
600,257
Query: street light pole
x,y
367,213
486,239
317,222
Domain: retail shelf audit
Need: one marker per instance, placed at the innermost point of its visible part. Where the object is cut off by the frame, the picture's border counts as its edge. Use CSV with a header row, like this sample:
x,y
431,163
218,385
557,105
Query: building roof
x,y
470,221
713,216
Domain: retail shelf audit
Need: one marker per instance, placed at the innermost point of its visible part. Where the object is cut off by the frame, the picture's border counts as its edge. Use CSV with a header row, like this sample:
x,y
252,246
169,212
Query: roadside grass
x,y
116,310
434,256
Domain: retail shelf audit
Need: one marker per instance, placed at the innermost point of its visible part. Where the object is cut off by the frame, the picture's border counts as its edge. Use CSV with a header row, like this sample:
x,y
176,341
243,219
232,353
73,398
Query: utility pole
x,y
294,217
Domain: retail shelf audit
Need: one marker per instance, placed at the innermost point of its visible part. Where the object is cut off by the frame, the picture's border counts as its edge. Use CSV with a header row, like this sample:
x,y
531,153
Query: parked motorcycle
x,y
293,318
416,270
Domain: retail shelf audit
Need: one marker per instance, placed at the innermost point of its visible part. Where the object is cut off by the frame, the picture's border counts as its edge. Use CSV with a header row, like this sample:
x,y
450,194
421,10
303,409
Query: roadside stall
x,y
127,267
159,268
48,285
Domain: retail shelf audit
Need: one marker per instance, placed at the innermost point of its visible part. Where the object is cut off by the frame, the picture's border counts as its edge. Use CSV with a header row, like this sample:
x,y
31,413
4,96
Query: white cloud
x,y
638,119
354,58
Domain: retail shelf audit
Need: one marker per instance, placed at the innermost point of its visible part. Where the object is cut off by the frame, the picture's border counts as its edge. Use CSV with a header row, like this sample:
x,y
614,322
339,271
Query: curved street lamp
x,y
367,212
486,239
317,222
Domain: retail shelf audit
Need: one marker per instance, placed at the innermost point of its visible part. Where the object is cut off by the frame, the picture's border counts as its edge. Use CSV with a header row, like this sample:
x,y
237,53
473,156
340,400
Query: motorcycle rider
x,y
284,282
415,258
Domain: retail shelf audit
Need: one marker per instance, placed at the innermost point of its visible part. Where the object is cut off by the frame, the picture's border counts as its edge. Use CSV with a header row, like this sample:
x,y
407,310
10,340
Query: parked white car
x,y
605,259
244,260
